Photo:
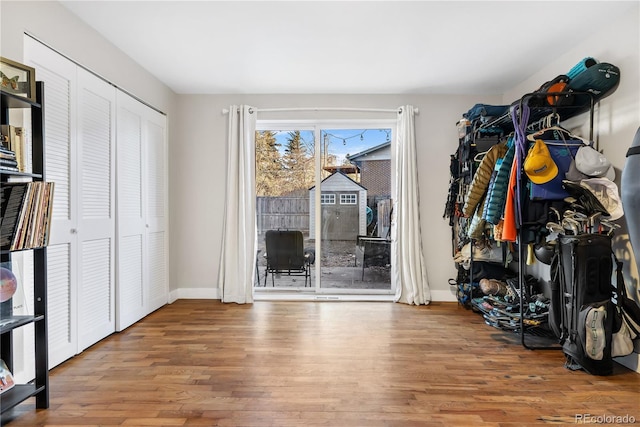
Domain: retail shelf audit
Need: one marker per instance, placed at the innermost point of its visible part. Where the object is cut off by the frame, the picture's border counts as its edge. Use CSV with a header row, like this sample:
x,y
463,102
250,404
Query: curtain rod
x,y
364,110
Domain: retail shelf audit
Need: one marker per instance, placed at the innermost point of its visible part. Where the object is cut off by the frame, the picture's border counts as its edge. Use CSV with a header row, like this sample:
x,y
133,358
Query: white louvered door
x,y
155,211
59,77
131,292
96,209
141,175
79,157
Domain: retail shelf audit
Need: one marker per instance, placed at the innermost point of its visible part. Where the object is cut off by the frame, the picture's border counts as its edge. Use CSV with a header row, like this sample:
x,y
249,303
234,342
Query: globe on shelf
x,y
8,284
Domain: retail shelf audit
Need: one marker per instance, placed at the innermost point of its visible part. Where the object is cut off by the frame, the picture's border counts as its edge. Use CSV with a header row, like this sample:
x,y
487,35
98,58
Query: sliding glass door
x,y
285,170
329,184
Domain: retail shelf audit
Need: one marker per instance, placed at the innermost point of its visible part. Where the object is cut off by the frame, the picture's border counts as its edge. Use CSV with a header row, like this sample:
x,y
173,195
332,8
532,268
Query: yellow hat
x,y
539,166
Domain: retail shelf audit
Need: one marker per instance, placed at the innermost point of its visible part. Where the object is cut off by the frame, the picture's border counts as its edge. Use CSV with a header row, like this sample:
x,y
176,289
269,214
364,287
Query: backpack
x,y
582,312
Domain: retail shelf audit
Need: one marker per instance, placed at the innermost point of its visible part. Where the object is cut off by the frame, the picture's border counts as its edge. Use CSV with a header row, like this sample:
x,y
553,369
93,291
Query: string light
x,y
346,138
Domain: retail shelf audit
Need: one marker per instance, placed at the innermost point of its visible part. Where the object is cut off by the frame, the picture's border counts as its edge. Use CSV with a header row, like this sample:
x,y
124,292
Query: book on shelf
x,y
5,153
25,214
9,165
6,377
7,157
14,141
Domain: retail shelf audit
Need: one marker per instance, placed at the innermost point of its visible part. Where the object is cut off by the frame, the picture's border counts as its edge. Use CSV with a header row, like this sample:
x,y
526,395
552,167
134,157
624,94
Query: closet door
x,y
96,209
141,171
156,209
131,298
79,158
59,77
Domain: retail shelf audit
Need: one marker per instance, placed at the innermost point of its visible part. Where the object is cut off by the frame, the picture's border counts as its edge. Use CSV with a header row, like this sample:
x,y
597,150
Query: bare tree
x,y
298,163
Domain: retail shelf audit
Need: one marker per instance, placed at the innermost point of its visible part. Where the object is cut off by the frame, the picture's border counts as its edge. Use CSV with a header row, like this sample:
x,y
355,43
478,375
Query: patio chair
x,y
285,254
376,251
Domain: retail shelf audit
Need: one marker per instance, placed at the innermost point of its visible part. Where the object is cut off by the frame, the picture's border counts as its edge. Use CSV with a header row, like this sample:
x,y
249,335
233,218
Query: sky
x,y
342,141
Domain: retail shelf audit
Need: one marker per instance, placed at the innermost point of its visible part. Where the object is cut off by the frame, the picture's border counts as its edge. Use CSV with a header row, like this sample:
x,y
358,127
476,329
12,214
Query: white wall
x,y
54,25
618,116
200,159
197,131
616,120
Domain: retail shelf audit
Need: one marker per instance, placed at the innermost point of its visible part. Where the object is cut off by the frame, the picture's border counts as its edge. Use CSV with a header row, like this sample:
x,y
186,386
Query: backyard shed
x,y
344,208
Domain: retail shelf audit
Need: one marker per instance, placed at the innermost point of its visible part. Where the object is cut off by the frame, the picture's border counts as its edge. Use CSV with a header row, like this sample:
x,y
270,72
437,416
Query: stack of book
x,y
12,149
25,214
8,160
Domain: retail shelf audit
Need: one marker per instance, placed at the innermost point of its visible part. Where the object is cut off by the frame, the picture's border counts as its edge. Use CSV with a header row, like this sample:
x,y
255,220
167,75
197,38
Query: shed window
x,y
327,199
349,199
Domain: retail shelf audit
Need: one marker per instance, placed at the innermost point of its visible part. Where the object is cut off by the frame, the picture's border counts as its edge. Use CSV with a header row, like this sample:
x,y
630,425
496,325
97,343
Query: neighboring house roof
x,y
379,152
342,168
339,176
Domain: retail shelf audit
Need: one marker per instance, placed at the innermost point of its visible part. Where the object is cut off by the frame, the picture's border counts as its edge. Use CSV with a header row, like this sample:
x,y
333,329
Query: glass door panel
x,y
342,230
355,210
285,172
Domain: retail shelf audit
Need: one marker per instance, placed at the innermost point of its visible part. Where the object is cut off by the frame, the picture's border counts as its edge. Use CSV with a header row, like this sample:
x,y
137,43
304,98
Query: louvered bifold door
x,y
131,292
59,75
156,209
96,216
141,171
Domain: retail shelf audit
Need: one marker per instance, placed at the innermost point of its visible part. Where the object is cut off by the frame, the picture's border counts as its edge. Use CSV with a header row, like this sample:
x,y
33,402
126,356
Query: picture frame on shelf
x,y
18,79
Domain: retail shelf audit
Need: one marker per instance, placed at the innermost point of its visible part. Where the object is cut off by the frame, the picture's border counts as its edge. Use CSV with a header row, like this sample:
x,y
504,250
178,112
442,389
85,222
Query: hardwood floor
x,y
201,362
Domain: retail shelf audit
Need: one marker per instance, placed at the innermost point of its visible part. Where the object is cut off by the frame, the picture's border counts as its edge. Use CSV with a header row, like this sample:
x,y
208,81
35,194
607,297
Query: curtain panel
x,y
238,254
408,268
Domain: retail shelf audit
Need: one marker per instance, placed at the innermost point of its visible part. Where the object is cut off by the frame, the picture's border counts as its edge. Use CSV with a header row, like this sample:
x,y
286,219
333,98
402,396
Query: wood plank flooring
x,y
204,363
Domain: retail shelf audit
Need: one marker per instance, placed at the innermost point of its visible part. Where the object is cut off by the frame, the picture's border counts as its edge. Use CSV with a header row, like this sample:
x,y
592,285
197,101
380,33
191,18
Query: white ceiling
x,y
346,47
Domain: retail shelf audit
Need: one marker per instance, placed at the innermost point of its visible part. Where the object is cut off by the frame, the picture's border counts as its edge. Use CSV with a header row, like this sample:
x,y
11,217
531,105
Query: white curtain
x,y
238,255
409,270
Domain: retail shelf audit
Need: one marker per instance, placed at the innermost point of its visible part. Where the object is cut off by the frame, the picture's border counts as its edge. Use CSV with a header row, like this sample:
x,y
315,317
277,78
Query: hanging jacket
x,y
474,201
509,229
481,178
497,196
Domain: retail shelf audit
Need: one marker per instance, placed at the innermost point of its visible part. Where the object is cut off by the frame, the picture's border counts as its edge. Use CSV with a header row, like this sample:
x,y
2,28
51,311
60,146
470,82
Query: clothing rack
x,y
540,117
538,121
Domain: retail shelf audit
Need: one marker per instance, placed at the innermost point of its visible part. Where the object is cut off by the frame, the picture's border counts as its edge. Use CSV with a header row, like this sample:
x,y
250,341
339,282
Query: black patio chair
x,y
285,254
376,251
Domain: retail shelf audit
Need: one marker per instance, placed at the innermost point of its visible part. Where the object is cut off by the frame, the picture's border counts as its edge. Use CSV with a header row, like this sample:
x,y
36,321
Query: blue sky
x,y
343,141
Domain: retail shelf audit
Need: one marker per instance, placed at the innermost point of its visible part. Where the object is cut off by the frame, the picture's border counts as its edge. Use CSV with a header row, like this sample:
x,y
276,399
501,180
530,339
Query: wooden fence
x,y
282,212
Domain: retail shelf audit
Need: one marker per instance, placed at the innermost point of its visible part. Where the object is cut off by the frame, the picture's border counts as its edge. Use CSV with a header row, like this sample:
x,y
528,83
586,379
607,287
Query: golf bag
x,y
582,312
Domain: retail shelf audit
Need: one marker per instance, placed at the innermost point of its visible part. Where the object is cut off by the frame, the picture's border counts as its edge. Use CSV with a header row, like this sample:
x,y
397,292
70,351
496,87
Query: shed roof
x,y
336,176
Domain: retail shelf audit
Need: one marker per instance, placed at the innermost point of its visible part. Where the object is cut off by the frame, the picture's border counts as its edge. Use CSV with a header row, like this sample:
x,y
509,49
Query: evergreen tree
x,y
268,165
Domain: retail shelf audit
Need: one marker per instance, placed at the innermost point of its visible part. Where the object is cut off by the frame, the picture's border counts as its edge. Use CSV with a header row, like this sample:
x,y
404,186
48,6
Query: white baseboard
x,y
443,296
201,293
194,293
